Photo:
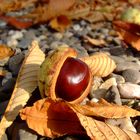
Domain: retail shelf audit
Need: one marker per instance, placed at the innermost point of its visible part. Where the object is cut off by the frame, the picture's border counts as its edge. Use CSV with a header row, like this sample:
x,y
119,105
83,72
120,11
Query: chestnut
x,y
63,75
72,79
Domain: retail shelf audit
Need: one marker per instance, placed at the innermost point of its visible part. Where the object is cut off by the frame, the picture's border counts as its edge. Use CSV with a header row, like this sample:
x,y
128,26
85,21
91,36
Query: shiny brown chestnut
x,y
63,75
72,80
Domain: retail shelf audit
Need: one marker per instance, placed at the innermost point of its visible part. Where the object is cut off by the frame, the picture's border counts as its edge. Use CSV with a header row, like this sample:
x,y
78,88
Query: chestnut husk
x,y
50,70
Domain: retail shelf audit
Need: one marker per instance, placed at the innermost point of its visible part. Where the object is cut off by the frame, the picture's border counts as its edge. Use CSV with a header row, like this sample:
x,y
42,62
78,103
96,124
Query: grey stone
x,y
8,84
113,95
109,39
11,42
68,34
56,44
131,75
17,35
3,24
117,59
27,39
104,30
83,23
76,27
81,50
58,36
127,65
97,82
99,93
117,50
24,43
123,123
119,78
117,41
15,63
129,90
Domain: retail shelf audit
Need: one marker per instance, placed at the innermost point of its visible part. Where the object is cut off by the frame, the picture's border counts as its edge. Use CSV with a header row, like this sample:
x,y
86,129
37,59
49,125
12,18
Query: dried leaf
x,y
51,119
134,28
5,51
55,118
100,64
60,23
50,10
16,22
98,130
12,5
79,10
96,42
25,85
130,38
105,110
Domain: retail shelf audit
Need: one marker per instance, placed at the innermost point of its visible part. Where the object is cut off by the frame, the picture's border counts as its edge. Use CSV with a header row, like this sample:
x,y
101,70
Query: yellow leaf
x,y
25,85
105,110
100,64
5,51
51,119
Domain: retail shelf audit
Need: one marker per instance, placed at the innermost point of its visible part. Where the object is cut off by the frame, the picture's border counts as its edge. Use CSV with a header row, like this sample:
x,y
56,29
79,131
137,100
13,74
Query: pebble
x,y
8,84
56,44
12,42
108,83
113,95
27,39
129,90
83,23
117,50
131,75
15,63
58,36
127,65
123,123
2,24
82,52
16,35
68,34
117,42
117,59
98,94
76,27
97,81
119,79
